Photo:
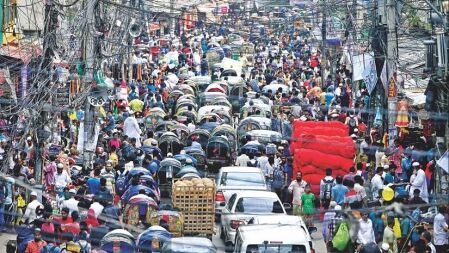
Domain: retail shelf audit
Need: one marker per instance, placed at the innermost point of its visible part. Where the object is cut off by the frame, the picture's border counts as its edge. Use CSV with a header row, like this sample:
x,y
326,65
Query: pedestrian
x,y
389,237
418,181
427,237
71,203
297,188
327,218
339,191
440,230
36,245
30,212
278,180
377,183
326,185
131,128
308,205
365,234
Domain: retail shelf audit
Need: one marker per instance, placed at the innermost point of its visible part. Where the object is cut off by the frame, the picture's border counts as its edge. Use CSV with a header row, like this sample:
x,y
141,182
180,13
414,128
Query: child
x,y
308,205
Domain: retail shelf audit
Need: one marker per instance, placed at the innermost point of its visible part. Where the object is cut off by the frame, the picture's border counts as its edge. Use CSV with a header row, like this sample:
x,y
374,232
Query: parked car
x,y
284,220
271,238
188,245
229,180
243,205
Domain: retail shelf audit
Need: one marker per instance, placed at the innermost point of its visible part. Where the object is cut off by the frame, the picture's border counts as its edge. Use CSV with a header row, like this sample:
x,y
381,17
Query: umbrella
x,y
187,170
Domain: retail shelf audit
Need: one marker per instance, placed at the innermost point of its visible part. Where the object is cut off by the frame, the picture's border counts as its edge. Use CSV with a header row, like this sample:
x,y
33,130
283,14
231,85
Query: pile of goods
x,y
196,200
319,145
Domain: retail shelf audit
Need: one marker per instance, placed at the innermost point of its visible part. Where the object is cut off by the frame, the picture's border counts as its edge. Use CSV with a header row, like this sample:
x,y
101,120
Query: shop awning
x,y
22,53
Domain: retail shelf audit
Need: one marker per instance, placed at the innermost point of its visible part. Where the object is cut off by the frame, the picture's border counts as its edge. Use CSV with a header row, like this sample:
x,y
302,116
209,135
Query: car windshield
x,y
242,179
258,205
276,248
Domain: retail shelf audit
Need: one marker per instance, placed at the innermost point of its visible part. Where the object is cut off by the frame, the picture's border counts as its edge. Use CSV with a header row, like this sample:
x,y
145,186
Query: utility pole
x,y
46,63
172,18
392,57
323,43
89,58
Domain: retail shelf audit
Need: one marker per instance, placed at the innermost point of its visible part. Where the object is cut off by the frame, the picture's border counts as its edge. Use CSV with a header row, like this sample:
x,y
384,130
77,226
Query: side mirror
x,y
287,206
312,230
222,204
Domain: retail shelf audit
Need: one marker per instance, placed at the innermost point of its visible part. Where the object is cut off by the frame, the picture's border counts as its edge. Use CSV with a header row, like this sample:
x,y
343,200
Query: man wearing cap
x,y
418,181
71,203
30,211
389,237
131,128
62,179
365,233
377,183
36,245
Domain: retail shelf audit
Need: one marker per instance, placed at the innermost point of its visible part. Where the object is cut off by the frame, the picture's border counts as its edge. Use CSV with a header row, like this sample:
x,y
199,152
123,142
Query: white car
x,y
244,205
232,179
283,220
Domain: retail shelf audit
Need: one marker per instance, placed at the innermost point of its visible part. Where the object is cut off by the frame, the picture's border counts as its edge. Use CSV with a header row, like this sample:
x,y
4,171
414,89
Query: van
x,y
271,238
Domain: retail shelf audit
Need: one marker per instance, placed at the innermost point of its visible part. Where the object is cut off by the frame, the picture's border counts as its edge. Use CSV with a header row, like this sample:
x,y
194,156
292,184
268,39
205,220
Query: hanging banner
x,y
392,92
370,76
384,78
23,80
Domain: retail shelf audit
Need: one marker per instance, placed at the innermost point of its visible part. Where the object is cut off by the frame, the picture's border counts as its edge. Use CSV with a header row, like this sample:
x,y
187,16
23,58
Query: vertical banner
x,y
392,90
1,22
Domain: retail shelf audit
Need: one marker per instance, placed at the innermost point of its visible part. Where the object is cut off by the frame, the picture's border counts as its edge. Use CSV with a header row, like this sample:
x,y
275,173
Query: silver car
x,y
232,179
244,205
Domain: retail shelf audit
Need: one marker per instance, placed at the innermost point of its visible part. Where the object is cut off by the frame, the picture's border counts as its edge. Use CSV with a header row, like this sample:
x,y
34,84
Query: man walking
x,y
297,187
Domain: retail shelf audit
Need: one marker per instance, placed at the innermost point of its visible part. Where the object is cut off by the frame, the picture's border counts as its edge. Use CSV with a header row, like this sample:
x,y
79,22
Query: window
x,y
258,205
231,201
276,248
242,179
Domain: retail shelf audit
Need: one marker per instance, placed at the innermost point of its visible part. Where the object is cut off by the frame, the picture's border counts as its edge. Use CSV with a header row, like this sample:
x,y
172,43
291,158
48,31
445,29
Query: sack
x,y
328,189
341,238
352,122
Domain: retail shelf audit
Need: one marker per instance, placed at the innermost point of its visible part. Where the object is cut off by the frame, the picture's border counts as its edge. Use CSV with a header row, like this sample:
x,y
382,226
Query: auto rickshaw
x,y
118,240
168,168
138,209
218,152
203,135
152,239
169,142
173,219
229,132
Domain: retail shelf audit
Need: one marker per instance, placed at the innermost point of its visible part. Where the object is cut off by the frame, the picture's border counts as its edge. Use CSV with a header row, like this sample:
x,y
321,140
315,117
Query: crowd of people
x,y
381,176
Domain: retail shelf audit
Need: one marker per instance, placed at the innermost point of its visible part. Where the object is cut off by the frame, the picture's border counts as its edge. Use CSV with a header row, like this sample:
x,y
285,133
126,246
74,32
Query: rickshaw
x,y
203,135
235,94
266,136
252,148
118,240
248,50
169,142
173,219
181,131
207,98
234,81
135,189
199,155
188,245
218,152
212,109
163,127
235,51
185,103
168,168
192,84
252,123
183,157
152,239
138,209
154,116
183,112
228,72
222,101
201,82
186,89
215,87
210,121
229,132
257,109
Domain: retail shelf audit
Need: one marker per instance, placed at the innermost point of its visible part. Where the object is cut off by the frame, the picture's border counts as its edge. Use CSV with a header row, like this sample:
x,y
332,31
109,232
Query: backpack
x,y
83,249
341,238
328,184
50,249
129,153
120,184
352,122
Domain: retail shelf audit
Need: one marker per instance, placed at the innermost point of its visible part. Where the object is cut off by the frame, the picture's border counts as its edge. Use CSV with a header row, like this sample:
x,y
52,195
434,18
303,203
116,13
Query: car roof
x,y
283,233
240,169
251,193
277,219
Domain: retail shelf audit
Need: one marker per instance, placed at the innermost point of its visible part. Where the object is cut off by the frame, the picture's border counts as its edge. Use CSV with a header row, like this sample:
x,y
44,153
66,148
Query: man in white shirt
x,y
97,207
262,161
62,179
365,234
427,237
242,160
30,212
71,203
377,183
440,230
418,181
131,128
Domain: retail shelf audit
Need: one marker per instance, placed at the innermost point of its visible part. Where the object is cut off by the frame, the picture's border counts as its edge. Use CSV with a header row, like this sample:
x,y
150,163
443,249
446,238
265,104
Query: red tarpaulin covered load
x,y
320,145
